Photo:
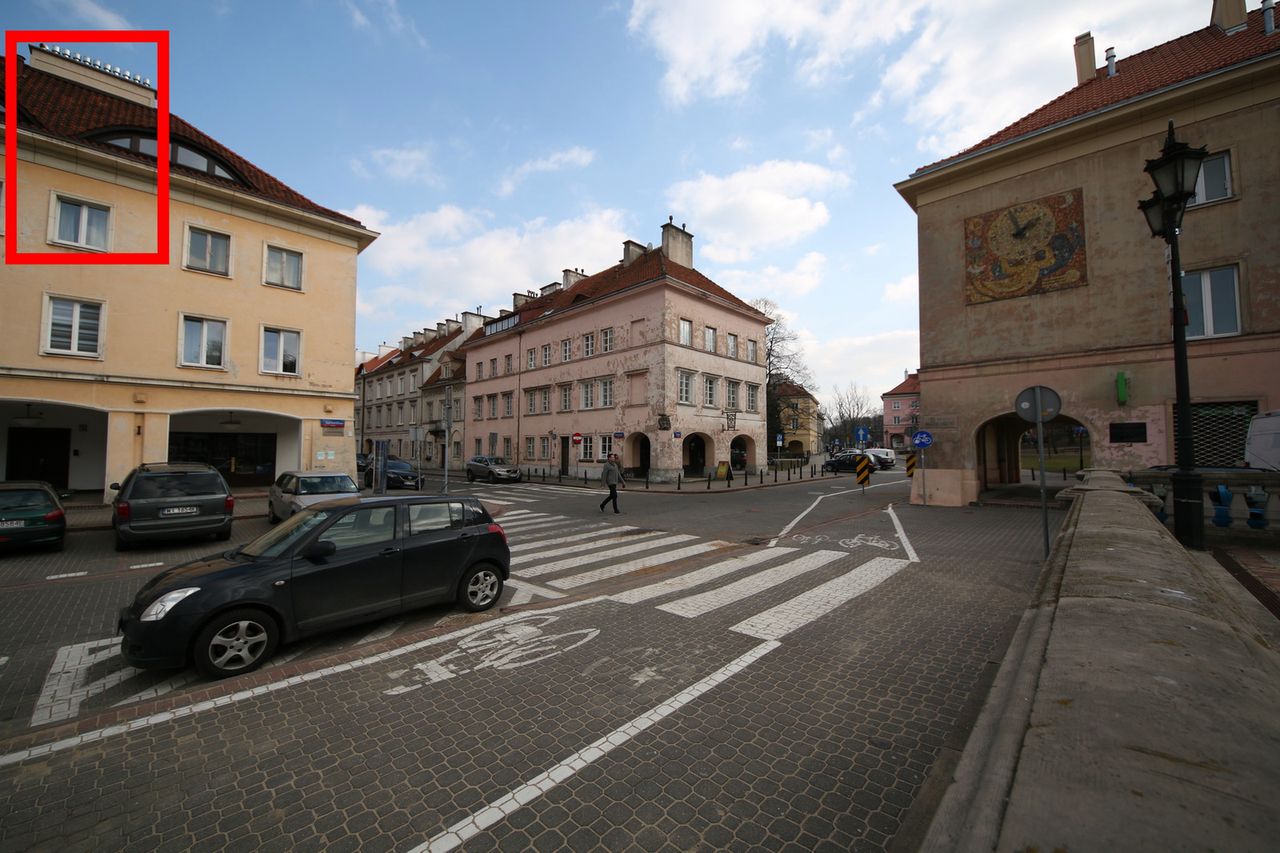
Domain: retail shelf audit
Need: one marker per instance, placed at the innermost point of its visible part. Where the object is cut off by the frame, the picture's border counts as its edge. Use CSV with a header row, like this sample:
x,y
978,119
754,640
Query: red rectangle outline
x,y
11,40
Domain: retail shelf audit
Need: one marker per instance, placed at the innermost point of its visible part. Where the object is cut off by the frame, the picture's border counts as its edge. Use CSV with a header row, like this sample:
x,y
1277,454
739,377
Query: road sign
x,y
577,438
863,434
864,469
922,438
779,439
1050,404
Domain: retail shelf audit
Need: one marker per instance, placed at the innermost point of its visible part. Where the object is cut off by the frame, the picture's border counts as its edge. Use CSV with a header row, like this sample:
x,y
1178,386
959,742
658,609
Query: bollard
x,y
775,474
1064,473
544,475
678,477
708,482
584,478
761,476
1033,475
646,479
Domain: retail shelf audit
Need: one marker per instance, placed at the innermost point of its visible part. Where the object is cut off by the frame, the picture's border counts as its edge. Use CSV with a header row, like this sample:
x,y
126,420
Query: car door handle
x,y
387,552
279,583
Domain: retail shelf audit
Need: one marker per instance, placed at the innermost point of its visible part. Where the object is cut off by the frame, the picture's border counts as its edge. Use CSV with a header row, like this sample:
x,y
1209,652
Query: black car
x,y
171,500
848,462
31,514
400,474
333,564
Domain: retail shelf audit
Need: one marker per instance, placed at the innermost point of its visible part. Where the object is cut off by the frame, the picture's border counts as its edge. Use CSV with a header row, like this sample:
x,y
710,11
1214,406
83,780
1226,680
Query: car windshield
x,y
279,539
398,465
497,460
335,484
25,499
178,485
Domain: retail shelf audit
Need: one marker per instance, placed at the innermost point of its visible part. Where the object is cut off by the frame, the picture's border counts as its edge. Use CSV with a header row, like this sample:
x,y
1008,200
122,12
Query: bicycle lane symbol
x,y
853,542
502,647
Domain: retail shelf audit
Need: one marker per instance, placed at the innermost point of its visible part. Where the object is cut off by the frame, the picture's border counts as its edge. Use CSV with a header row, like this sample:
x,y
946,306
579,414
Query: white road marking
x,y
158,689
146,565
776,622
67,684
902,535
541,525
262,690
699,577
627,539
65,575
697,605
494,501
536,786
561,540
381,632
4,660
820,499
597,556
642,563
525,592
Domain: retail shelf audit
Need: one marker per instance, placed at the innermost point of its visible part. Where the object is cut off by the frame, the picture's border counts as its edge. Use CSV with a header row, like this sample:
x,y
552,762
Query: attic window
x,y
179,152
501,325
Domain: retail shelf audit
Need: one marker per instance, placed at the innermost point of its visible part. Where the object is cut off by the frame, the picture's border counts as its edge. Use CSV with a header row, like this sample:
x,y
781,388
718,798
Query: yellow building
x,y
236,352
799,419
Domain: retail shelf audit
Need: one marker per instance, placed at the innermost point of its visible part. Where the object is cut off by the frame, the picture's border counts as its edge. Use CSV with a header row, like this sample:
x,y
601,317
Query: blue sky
x,y
496,143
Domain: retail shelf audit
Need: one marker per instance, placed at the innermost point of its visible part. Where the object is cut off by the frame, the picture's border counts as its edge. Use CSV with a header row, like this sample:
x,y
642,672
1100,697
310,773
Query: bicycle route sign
x,y
922,438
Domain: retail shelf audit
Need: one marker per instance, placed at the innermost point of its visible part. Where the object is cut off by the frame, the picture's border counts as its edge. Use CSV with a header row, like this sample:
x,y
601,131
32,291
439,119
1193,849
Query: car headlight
x,y
162,605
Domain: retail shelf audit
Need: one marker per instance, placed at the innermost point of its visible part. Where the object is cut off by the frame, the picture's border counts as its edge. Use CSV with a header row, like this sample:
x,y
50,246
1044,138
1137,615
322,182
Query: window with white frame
x,y
73,327
413,411
281,351
400,414
428,410
731,395
588,345
708,390
731,345
477,407
203,341
544,447
532,358
1214,181
546,355
531,403
493,405
588,447
283,268
479,448
545,394
507,404
897,419
751,351
897,404
506,364
566,349
457,448
606,446
379,414
1212,301
479,370
493,367
528,447
566,397
606,340
506,446
709,339
208,251
684,387
80,223
686,332
401,383
606,393
588,395
753,397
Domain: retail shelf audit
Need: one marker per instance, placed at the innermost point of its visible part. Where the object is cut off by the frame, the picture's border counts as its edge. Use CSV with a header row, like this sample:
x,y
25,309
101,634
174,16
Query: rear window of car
x,y
339,484
25,499
190,485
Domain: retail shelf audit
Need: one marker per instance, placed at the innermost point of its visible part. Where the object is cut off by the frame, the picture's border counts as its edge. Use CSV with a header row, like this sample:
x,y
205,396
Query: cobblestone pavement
x,y
796,698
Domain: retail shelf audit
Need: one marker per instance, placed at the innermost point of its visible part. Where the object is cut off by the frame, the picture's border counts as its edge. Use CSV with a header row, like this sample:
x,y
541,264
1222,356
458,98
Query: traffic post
x,y
922,439
864,472
911,464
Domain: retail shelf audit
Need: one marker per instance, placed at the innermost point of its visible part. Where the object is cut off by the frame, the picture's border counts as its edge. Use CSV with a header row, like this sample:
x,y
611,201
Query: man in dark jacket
x,y
611,476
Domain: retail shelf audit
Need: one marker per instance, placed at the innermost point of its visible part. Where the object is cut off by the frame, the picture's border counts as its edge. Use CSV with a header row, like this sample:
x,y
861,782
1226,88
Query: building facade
x,y
799,418
648,359
902,412
235,352
1036,267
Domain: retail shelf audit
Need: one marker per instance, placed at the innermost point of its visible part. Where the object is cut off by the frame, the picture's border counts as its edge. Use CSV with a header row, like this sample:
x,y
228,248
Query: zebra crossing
x,y
517,494
549,560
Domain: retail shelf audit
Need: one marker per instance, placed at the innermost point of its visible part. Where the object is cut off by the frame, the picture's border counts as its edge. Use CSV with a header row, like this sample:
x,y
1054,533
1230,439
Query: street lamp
x,y
1174,173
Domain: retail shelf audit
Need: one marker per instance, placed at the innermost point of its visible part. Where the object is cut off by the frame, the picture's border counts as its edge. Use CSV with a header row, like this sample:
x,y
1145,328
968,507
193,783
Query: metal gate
x,y
1219,431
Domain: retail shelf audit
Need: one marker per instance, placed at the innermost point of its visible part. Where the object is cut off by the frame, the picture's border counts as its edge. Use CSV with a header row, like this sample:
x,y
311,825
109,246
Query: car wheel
x,y
272,518
493,478
57,546
235,642
480,589
223,535
121,544
471,477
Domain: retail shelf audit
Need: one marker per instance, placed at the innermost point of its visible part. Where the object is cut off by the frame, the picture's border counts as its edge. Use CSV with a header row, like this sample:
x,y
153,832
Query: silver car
x,y
296,490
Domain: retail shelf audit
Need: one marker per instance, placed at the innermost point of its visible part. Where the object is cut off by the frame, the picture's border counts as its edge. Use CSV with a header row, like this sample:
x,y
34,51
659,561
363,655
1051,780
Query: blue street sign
x,y
779,439
863,433
922,438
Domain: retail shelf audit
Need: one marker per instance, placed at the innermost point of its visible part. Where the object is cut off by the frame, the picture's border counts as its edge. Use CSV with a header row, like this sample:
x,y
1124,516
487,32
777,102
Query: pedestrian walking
x,y
611,475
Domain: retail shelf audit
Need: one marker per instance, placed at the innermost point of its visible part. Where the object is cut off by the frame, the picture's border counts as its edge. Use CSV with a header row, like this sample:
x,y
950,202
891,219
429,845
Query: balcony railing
x,y
1235,499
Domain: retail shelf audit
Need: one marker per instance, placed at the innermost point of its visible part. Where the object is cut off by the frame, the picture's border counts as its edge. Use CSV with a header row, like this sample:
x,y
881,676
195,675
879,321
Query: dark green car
x,y
31,514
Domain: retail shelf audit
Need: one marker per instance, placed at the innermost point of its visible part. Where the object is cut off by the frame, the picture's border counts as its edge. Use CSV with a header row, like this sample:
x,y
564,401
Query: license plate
x,y
180,510
8,524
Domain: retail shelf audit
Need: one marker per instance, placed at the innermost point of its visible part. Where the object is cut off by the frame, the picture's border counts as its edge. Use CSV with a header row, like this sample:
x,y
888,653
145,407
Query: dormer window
x,y
179,152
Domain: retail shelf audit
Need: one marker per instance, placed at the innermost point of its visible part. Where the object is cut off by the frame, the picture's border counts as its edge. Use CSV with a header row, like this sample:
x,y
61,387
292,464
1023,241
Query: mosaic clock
x,y
1026,248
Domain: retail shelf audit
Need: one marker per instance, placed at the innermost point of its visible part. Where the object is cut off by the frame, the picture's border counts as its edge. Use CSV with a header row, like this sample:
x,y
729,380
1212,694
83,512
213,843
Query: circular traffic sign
x,y
922,438
1050,404
577,438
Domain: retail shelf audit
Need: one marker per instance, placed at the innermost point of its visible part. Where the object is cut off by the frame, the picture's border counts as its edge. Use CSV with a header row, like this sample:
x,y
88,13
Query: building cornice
x,y
114,379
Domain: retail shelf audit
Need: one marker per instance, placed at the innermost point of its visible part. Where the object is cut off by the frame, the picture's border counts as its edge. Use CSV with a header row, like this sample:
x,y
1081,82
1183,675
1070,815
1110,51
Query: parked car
x,y
847,461
362,462
31,514
492,469
334,564
171,500
883,456
400,474
296,490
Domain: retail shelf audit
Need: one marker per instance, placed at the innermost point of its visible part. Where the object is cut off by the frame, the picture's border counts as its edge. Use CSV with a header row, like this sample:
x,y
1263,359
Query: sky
x,y
494,144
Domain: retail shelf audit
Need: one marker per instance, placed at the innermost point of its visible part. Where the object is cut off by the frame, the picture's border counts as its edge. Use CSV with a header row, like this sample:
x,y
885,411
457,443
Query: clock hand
x,y
1016,227
1023,228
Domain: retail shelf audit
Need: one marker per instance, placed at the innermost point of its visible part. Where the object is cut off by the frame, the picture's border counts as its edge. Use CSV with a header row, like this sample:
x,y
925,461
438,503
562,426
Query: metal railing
x,y
1233,499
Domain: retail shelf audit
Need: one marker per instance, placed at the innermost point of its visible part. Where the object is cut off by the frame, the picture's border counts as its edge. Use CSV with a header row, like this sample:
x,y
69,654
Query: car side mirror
x,y
320,549
115,487
66,496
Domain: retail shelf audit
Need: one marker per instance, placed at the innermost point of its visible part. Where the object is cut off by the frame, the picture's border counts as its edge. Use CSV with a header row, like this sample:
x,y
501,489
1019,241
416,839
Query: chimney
x,y
450,326
1111,62
518,299
677,244
472,321
93,73
384,348
552,287
502,312
630,251
1228,15
572,277
1086,60
1269,16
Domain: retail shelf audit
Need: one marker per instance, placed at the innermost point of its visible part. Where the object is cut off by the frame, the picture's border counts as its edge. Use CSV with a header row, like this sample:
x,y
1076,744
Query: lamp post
x,y
1174,174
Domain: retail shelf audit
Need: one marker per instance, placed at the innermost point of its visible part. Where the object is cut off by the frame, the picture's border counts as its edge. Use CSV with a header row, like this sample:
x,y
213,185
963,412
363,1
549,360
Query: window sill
x,y
214,273
283,287
86,356
1214,203
214,367
78,246
280,375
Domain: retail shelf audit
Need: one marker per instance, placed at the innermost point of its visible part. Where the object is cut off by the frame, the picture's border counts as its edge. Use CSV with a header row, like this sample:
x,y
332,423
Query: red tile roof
x,y
649,266
790,389
399,357
1175,62
910,385
69,110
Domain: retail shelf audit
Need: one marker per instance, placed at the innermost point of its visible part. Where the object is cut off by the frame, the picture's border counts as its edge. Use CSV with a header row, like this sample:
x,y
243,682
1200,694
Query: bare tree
x,y
783,358
851,408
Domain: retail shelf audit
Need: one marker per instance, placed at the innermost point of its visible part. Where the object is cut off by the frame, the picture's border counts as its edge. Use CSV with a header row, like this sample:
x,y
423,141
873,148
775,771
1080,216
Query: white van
x,y
884,457
1262,447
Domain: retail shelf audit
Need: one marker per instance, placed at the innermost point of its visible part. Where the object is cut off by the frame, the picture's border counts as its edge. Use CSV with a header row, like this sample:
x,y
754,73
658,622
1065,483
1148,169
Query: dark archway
x,y
740,452
638,454
1007,454
694,453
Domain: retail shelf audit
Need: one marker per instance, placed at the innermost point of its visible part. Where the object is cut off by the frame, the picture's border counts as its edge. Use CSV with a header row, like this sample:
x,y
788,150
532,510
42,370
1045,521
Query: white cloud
x,y
411,163
94,15
905,289
358,18
824,140
571,158
740,143
714,48
775,283
758,207
874,361
439,262
872,250
387,12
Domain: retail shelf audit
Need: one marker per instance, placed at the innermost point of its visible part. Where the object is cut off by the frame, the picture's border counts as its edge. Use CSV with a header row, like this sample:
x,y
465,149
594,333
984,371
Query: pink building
x,y
901,412
649,359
